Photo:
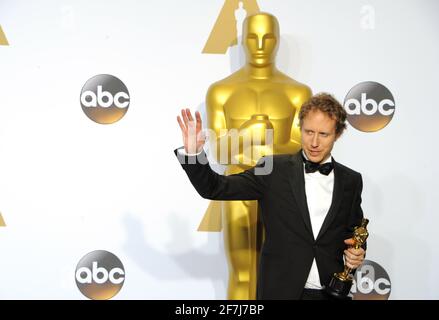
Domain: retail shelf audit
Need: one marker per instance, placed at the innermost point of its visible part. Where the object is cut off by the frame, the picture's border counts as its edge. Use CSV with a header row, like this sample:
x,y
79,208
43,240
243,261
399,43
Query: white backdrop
x,y
69,186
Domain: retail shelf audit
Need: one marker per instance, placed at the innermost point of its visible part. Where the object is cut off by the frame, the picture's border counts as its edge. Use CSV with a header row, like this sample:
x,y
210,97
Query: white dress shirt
x,y
318,189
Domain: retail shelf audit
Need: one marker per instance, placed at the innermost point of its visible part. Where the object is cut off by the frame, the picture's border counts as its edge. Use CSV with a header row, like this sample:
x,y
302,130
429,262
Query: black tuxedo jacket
x,y
289,248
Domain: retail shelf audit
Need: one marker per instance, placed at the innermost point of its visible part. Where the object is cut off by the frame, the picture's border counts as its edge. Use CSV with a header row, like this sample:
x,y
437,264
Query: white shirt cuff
x,y
183,152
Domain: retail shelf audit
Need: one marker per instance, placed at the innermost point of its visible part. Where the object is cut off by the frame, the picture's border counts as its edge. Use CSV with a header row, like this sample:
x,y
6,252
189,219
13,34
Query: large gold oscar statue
x,y
257,93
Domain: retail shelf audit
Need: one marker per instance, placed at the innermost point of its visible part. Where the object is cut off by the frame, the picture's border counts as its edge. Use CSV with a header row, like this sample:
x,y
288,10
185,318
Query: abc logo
x,y
100,275
370,106
105,99
371,282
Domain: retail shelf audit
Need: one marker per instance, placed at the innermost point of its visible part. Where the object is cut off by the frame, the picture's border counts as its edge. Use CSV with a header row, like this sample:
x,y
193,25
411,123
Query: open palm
x,y
193,137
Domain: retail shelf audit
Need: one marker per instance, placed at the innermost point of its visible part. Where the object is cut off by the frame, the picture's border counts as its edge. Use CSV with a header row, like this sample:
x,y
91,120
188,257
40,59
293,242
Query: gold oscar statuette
x,y
341,283
256,99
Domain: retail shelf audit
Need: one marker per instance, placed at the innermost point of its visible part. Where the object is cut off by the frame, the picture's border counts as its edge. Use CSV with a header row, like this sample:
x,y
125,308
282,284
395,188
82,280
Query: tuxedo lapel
x,y
337,196
297,182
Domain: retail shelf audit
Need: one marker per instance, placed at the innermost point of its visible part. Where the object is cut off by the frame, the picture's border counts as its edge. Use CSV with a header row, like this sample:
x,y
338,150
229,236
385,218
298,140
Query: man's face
x,y
318,135
260,39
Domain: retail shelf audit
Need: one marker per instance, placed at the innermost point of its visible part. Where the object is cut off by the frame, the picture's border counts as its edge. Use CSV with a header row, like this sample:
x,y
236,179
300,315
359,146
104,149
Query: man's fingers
x,y
198,117
356,252
353,256
185,118
351,263
189,115
181,124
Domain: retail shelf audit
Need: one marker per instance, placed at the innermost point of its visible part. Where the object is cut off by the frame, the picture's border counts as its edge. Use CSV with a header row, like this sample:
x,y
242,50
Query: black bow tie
x,y
311,167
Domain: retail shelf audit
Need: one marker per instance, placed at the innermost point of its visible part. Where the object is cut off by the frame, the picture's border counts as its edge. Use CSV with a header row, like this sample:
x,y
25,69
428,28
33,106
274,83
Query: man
x,y
309,203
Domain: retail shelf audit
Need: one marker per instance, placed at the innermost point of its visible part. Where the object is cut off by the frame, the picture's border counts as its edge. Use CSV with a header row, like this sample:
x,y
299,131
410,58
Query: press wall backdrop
x,y
70,185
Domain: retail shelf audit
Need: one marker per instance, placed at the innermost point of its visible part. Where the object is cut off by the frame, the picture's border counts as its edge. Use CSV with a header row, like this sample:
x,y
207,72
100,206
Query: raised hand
x,y
193,137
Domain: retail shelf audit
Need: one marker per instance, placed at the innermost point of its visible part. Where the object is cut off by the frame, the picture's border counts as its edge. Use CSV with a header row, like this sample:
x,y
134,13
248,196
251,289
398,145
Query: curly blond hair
x,y
325,103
